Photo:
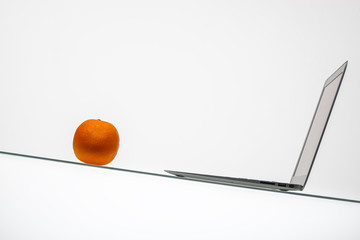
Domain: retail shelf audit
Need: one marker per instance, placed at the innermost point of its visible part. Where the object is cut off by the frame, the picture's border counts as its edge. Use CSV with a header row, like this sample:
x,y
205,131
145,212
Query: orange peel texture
x,y
96,142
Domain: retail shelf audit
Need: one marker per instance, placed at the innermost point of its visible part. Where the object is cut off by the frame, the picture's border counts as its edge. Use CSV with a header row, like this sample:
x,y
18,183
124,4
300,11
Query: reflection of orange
x,y
96,142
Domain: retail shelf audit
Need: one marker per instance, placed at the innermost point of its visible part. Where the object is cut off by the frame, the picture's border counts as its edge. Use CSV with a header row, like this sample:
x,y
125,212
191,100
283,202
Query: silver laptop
x,y
308,152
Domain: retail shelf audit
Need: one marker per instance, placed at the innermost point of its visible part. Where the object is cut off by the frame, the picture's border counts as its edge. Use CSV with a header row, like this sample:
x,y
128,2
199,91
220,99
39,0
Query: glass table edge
x,y
178,178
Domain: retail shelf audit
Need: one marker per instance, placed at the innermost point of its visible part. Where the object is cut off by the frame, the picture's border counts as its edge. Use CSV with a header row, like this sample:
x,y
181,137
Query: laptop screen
x,y
317,127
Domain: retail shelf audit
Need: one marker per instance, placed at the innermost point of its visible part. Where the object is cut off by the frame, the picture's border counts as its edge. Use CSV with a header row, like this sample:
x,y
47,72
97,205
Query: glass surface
x,y
174,177
43,200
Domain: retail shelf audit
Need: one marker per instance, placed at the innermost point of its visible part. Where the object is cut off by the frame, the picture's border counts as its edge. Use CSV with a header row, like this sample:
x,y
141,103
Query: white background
x,y
218,87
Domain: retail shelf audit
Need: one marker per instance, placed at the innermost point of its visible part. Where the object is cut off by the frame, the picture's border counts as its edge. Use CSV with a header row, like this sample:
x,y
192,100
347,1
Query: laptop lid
x,y
317,127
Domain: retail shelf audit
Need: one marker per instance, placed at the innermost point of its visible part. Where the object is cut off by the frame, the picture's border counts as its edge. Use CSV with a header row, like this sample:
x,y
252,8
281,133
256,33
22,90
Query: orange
x,y
96,142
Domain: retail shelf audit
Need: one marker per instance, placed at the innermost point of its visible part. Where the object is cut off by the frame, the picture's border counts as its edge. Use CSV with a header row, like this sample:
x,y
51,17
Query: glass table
x,y
62,161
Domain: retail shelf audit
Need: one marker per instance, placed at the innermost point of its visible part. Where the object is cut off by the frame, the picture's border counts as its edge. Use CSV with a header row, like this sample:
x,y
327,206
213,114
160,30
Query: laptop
x,y
308,152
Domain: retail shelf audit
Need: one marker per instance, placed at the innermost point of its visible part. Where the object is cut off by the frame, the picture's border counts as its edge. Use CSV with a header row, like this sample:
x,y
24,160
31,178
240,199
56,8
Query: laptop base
x,y
239,181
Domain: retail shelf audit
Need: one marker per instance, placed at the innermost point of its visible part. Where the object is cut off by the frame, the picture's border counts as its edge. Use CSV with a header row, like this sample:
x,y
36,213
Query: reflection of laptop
x,y
308,152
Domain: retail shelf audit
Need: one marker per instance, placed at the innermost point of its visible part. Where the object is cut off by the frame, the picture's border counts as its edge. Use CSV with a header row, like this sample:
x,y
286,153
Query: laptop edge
x,y
309,149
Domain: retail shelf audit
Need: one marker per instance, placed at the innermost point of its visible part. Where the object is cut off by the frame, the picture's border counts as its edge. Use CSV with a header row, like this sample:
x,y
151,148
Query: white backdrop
x,y
218,87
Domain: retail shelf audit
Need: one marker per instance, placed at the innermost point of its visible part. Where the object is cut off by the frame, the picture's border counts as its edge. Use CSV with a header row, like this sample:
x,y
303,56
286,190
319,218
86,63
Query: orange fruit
x,y
96,142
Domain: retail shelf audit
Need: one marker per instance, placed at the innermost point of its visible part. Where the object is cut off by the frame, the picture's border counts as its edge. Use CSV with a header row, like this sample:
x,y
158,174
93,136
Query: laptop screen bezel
x,y
299,177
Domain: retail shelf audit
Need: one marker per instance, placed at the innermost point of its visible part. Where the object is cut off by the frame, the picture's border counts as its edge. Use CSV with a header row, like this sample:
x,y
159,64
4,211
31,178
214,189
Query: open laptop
x,y
308,152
